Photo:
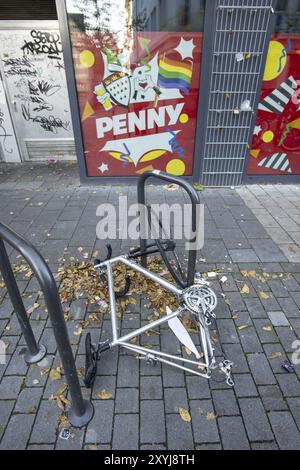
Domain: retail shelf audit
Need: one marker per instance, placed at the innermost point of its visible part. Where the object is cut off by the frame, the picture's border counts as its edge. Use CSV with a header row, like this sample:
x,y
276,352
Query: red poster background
x,y
87,77
277,123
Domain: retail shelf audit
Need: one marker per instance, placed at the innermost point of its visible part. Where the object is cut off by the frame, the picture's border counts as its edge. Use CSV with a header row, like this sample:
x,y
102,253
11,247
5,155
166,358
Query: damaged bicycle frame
x,y
198,299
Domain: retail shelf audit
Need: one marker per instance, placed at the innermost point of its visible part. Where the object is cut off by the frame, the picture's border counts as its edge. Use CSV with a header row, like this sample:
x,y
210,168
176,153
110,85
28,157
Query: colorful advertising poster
x,y
138,107
276,140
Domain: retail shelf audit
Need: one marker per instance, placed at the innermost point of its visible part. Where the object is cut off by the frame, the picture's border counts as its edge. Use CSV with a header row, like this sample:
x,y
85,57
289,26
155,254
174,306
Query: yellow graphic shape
x,y
255,152
295,124
268,136
176,167
87,59
146,168
147,157
274,65
87,112
184,118
152,155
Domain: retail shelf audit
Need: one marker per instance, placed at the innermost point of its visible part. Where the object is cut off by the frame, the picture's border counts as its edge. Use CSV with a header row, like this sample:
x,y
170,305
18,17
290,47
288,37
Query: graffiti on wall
x,y
34,71
138,110
8,143
276,140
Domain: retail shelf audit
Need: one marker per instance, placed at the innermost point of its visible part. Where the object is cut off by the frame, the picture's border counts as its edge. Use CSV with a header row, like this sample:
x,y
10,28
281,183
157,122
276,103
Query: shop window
x,y
276,140
137,67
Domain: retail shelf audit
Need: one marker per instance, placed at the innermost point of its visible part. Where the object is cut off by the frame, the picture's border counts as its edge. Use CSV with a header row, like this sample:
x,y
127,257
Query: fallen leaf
x,y
185,415
211,416
104,395
55,374
245,289
267,328
188,351
242,327
198,186
35,382
263,295
274,355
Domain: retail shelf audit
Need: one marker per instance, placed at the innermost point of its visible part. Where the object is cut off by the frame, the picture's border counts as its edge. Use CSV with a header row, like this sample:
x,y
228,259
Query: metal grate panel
x,y
241,27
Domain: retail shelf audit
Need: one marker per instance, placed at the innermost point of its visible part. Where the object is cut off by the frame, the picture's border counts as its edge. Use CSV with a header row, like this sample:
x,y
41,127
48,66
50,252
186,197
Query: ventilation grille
x,y
60,149
240,38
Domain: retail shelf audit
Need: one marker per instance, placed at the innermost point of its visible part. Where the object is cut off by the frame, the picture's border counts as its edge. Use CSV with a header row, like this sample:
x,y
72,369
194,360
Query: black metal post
x,y
34,353
81,411
143,220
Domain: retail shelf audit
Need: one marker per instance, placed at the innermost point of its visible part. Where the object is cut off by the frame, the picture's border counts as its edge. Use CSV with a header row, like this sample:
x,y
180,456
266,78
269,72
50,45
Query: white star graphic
x,y
103,168
257,130
185,48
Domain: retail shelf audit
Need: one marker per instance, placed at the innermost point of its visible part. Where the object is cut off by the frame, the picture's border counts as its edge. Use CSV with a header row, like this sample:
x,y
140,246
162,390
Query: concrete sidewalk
x,y
252,236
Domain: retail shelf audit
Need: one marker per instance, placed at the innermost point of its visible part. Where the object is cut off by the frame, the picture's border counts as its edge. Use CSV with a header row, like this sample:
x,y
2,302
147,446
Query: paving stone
x,y
264,445
46,423
172,377
285,430
126,432
127,400
175,398
289,307
179,433
278,319
204,430
99,430
128,372
289,384
152,447
197,388
152,425
255,308
29,400
225,402
265,330
233,433
255,418
17,432
261,370
10,387
242,255
272,398
227,331
6,407
151,388
287,338
104,382
250,340
244,385
267,250
275,362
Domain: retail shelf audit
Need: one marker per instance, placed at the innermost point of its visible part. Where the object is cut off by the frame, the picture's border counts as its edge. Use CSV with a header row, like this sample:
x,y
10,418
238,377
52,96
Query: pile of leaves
x,y
80,279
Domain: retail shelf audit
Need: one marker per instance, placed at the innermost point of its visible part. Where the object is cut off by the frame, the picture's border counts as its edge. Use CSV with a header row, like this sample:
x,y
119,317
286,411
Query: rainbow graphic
x,y
174,74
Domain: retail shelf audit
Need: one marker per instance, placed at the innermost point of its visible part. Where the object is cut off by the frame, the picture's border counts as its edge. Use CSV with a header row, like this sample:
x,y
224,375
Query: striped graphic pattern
x,y
174,74
277,161
276,101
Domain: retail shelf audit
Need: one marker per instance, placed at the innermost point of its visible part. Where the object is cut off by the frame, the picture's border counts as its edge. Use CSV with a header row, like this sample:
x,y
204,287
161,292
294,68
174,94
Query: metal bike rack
x,y
196,299
81,411
195,201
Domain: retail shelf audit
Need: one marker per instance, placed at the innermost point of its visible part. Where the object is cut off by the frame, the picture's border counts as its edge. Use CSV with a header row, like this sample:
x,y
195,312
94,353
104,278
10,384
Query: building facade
x,y
208,90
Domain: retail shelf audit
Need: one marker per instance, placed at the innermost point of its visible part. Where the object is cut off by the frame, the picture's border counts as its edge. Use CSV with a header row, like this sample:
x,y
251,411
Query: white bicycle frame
x,y
152,356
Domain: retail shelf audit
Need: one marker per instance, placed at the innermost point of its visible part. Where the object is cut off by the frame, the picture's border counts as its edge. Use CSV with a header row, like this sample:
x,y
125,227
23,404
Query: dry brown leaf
x,y
104,395
211,416
263,295
35,382
188,351
242,327
275,355
55,374
245,289
185,415
267,328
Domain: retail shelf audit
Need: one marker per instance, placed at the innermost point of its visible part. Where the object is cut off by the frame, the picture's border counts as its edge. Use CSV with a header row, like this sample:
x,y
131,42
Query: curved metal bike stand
x,y
81,411
194,197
